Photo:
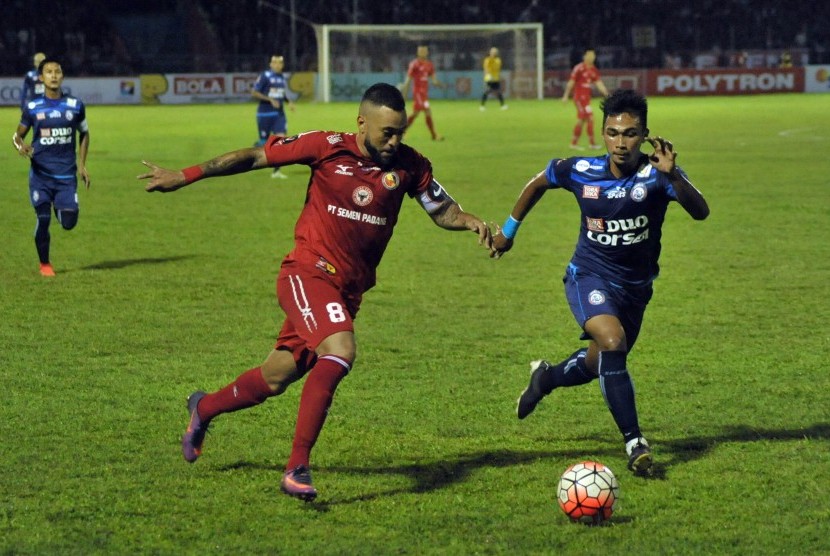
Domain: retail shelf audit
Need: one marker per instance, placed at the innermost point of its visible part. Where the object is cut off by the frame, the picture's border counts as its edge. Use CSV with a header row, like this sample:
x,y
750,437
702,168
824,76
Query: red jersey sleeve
x,y
304,148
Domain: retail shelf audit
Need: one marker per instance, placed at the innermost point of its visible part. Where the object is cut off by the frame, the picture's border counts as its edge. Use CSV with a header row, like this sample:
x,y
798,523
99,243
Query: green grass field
x,y
158,295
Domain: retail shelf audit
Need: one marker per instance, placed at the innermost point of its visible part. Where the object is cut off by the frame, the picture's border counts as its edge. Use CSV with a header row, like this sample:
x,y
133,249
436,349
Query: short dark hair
x,y
625,101
48,60
384,94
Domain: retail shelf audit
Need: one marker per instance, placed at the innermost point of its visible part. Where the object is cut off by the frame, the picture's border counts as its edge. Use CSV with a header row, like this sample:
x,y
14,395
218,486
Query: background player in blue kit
x,y
623,198
56,119
271,90
32,85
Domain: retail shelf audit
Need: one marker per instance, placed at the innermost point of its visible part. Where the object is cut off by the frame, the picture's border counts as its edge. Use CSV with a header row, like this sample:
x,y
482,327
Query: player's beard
x,y
382,159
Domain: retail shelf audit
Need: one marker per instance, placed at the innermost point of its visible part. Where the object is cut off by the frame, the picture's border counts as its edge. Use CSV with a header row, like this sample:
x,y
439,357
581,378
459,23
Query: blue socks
x,y
618,391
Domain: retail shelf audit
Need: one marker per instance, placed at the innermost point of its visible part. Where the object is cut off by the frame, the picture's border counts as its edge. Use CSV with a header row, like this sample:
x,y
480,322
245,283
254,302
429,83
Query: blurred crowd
x,y
98,37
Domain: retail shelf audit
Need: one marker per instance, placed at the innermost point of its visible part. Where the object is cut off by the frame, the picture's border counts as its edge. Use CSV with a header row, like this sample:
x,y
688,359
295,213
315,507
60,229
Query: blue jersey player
x,y
623,197
32,84
271,90
59,124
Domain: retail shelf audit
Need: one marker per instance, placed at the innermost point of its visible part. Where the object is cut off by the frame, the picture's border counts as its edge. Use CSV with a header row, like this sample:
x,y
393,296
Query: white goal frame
x,y
323,33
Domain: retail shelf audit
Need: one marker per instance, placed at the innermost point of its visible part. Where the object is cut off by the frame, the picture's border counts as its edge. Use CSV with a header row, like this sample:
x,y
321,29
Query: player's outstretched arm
x,y
234,162
663,159
530,195
452,217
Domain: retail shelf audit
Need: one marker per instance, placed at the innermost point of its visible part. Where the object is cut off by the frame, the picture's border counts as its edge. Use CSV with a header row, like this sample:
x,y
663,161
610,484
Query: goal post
x,y
351,57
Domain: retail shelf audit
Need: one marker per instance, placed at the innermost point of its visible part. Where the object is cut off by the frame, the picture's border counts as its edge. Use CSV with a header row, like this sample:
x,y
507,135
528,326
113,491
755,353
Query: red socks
x,y
431,127
247,390
318,392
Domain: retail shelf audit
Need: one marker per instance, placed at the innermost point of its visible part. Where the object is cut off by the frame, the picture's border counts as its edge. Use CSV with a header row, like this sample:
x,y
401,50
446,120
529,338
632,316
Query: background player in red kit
x,y
421,70
358,182
583,77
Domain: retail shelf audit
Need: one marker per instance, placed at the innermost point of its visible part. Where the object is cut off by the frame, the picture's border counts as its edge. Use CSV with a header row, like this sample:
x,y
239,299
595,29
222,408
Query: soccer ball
x,y
588,492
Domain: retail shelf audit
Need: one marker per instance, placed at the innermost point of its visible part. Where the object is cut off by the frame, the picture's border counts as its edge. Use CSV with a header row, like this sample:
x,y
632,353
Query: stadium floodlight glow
x,y
343,49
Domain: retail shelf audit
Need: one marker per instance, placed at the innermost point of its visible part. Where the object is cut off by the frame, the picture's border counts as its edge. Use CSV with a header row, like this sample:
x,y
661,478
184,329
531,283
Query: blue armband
x,y
511,226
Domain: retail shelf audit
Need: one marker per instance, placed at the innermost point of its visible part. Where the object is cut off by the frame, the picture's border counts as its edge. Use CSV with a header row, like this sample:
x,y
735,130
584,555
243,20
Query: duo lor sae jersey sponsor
x,y
622,218
55,123
352,204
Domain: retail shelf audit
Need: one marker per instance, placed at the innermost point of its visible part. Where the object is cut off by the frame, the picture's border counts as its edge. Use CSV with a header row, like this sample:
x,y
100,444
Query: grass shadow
x,y
123,263
435,475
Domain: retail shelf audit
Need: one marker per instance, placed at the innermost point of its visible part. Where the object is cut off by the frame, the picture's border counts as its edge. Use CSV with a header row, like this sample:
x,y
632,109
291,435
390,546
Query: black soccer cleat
x,y
532,395
640,459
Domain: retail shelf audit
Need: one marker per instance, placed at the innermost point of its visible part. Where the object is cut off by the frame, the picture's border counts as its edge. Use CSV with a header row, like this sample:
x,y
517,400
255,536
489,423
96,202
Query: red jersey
x,y
351,205
584,77
420,71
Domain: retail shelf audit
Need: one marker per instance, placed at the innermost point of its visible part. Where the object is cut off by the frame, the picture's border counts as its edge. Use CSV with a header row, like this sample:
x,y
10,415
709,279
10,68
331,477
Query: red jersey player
x,y
583,77
421,70
358,183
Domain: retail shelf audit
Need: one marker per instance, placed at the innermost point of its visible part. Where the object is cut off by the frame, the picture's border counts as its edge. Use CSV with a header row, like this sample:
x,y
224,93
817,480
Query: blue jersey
x,y
55,124
32,88
274,86
622,218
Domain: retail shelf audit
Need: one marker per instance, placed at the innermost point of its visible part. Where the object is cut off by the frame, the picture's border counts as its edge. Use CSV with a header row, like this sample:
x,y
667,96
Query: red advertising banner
x,y
725,81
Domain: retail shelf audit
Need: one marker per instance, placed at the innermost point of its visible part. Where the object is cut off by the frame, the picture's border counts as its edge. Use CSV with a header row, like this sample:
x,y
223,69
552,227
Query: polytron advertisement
x,y
203,88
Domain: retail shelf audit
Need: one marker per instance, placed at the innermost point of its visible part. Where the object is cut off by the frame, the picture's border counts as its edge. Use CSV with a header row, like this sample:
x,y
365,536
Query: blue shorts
x,y
590,296
271,123
62,193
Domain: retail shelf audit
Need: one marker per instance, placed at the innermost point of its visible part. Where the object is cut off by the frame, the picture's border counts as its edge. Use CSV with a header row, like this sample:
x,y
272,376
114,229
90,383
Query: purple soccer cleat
x,y
297,483
194,436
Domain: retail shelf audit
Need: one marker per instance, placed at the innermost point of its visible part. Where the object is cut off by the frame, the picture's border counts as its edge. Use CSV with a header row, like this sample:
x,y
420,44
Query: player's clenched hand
x,y
501,244
162,179
663,156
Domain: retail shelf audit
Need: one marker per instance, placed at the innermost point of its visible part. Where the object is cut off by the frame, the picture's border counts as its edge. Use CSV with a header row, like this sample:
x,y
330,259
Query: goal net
x,y
353,57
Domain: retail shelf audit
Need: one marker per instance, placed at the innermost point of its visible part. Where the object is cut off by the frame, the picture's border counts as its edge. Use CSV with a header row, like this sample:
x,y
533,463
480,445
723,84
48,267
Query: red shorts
x,y
420,101
314,309
583,107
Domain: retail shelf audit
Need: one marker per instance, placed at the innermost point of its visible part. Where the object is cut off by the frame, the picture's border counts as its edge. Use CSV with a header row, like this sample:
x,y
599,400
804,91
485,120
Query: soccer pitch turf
x,y
158,295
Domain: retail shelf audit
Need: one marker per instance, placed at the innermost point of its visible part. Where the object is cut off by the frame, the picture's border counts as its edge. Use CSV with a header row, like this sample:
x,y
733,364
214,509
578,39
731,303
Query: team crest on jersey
x,y
596,297
69,115
638,192
362,196
595,224
390,180
334,139
590,192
